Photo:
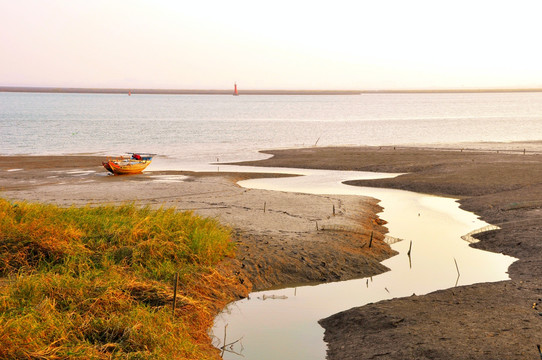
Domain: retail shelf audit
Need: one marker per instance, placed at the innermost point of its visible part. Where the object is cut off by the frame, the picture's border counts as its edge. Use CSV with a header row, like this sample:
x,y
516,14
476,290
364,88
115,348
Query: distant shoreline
x,y
245,92
173,91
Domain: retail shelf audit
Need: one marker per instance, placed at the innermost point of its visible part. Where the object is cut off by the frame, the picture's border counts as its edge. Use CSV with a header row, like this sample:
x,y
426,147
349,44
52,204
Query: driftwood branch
x,y
229,345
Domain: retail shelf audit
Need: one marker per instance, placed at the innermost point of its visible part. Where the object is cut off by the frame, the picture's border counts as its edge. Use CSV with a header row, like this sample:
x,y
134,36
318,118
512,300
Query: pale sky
x,y
277,44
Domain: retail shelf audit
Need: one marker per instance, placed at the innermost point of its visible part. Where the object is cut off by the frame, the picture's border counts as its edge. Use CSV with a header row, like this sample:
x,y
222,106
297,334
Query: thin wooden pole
x,y
457,267
175,293
409,257
224,346
371,240
458,274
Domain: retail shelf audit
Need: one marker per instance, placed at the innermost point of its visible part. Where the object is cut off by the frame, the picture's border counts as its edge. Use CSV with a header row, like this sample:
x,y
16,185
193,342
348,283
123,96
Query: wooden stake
x,y
333,209
371,240
457,268
224,343
264,205
408,254
316,225
175,293
458,274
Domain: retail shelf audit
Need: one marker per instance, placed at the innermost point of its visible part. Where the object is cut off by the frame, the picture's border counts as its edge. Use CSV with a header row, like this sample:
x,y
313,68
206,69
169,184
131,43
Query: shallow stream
x,y
283,324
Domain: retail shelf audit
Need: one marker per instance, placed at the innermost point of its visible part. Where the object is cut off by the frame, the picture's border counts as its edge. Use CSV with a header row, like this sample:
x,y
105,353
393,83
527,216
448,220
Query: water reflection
x,y
283,323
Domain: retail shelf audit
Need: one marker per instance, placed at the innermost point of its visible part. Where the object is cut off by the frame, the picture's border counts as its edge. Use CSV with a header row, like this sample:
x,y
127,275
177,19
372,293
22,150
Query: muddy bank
x,y
483,321
278,242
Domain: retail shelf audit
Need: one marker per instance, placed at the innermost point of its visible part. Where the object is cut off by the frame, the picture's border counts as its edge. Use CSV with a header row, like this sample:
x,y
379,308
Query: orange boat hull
x,y
126,167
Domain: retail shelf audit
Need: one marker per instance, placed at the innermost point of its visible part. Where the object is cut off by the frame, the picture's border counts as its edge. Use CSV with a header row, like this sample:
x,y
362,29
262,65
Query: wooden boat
x,y
124,166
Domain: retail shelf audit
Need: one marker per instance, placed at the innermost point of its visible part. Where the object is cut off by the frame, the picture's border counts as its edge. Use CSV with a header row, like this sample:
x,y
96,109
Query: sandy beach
x,y
281,246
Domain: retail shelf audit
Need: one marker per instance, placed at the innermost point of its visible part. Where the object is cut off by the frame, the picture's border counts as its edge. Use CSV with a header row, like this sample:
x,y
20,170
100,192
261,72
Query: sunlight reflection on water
x,y
288,328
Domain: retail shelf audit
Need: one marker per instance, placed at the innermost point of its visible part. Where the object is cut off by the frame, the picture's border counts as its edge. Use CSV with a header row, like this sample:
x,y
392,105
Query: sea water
x,y
204,128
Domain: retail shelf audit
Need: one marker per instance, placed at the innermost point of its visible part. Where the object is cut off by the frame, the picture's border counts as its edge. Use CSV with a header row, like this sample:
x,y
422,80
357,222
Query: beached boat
x,y
132,165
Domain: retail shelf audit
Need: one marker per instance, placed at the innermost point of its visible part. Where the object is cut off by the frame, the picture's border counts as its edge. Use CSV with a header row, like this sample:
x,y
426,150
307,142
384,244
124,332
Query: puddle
x,y
168,178
284,325
80,172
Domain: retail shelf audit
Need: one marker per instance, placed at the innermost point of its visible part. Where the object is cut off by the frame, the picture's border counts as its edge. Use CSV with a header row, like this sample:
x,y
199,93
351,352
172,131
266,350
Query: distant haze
x,y
271,44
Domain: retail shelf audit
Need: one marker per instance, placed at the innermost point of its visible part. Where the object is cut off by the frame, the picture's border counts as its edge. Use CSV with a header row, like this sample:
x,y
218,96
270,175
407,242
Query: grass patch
x,y
96,282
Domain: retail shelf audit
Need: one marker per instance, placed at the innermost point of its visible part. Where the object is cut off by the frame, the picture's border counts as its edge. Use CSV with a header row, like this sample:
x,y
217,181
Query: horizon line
x,y
158,91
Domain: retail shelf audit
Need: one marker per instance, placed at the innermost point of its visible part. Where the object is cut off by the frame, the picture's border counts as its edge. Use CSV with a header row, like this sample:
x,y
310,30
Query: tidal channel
x,y
283,324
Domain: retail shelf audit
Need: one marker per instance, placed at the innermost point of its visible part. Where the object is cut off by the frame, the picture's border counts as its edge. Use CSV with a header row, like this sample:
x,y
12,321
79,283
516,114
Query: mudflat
x,y
501,320
282,246
279,235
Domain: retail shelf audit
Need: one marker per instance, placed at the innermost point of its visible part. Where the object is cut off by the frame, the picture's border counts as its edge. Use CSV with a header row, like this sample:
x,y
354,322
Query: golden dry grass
x,y
97,282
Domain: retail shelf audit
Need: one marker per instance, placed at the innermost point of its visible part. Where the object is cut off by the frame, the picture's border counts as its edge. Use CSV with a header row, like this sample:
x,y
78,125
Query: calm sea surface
x,y
204,127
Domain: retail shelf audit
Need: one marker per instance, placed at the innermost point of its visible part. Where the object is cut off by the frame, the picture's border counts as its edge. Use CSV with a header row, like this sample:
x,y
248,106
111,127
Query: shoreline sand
x,y
482,321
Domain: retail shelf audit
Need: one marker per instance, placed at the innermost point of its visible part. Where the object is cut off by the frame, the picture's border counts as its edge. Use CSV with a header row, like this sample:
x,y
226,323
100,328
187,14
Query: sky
x,y
334,44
